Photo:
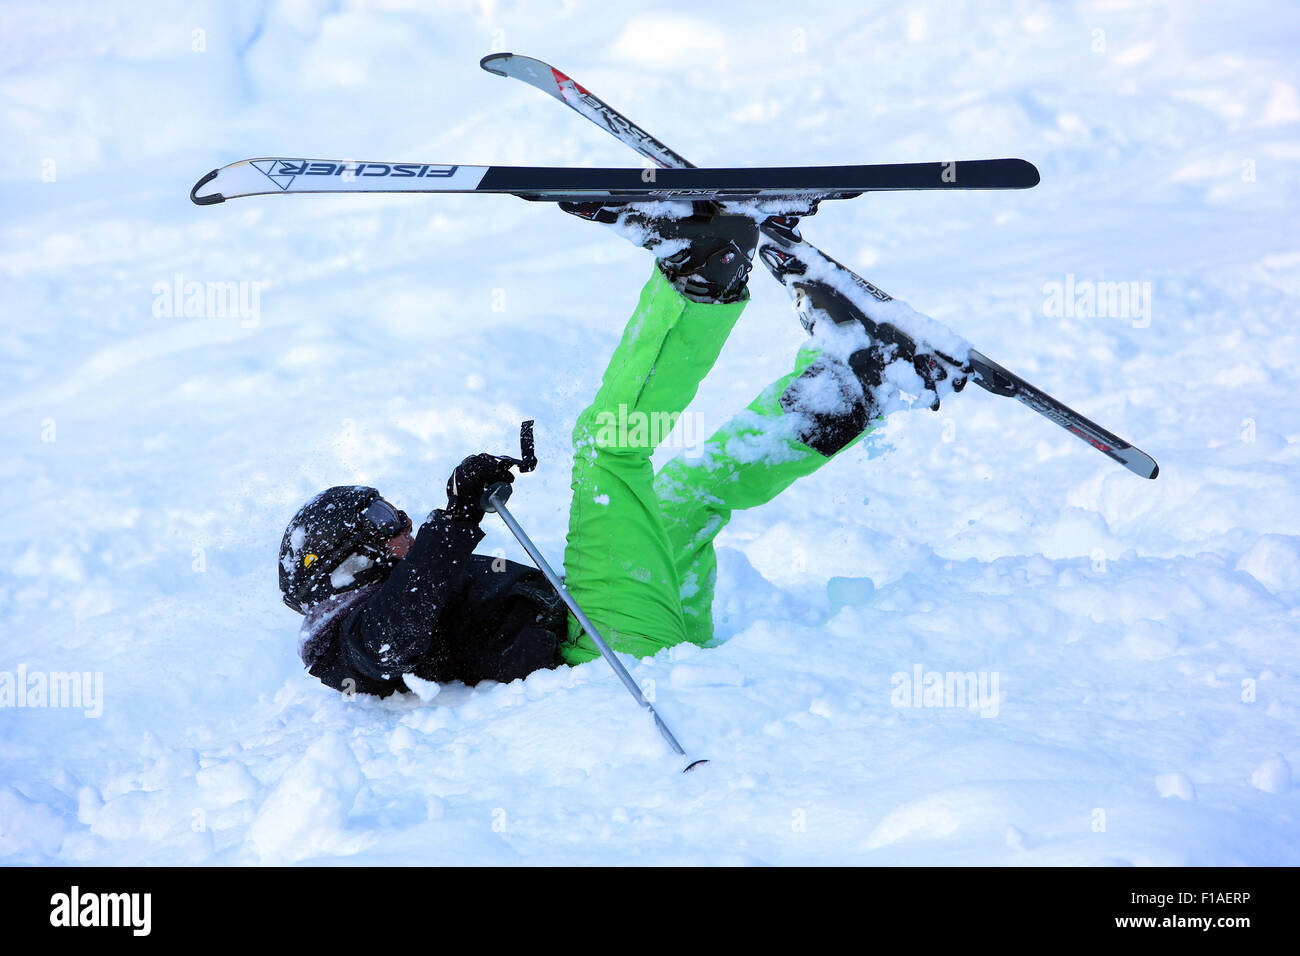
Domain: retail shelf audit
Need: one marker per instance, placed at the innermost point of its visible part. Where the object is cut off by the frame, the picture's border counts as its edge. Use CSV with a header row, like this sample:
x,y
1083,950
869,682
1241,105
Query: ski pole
x,y
495,500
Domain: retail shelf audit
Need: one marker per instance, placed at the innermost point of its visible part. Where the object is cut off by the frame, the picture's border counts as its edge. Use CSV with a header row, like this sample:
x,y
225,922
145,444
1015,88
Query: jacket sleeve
x,y
410,615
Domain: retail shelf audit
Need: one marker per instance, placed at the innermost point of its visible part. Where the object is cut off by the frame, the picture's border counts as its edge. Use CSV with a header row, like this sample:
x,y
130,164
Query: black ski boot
x,y
779,250
714,263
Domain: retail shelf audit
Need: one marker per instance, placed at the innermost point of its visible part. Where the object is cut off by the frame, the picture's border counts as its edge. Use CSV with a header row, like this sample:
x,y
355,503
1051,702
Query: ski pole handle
x,y
527,449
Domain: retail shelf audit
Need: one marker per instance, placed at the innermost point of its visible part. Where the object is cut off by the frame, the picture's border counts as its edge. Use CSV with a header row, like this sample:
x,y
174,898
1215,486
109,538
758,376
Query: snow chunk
x,y
306,815
426,690
850,592
1150,640
28,827
344,576
1175,785
935,816
1274,561
1273,775
225,783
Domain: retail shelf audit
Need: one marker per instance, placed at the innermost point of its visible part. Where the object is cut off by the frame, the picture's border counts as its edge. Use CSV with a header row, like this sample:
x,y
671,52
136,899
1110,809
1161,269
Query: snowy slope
x,y
1142,635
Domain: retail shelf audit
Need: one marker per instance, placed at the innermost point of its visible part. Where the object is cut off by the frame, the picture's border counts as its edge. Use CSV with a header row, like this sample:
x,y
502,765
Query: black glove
x,y
705,255
470,482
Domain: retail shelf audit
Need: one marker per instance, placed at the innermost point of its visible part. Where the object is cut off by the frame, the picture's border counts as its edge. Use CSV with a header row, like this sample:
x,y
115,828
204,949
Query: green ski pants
x,y
639,557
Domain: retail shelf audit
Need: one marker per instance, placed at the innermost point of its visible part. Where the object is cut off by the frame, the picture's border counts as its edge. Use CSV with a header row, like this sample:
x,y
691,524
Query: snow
x,y
1143,635
426,690
1273,775
345,573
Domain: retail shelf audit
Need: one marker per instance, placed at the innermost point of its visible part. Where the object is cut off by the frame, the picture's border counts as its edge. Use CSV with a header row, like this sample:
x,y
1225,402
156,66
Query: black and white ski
x,y
819,284
822,286
279,175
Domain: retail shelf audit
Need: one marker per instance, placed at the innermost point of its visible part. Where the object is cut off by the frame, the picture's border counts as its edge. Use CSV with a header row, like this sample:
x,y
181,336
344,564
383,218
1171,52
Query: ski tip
x,y
490,58
693,764
1140,463
1023,174
206,200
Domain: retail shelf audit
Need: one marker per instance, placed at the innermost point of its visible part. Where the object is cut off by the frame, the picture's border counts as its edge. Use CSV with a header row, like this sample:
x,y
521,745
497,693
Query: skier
x,y
639,557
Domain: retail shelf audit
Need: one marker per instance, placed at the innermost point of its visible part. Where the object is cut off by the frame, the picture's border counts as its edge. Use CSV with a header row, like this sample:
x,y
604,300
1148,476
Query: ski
x,y
816,281
278,175
994,378
821,286
552,82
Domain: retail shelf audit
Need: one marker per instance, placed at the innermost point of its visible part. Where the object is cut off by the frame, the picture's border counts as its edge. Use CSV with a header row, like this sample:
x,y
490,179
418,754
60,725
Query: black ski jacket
x,y
443,614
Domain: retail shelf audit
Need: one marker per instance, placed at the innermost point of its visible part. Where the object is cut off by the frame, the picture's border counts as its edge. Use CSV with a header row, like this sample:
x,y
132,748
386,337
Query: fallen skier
x,y
380,603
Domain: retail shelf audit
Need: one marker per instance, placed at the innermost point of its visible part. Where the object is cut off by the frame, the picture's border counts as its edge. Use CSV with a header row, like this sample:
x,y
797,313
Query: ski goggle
x,y
387,521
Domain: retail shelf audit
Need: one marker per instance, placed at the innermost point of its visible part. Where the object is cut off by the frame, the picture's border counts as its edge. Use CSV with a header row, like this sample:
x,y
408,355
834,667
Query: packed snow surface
x,y
975,640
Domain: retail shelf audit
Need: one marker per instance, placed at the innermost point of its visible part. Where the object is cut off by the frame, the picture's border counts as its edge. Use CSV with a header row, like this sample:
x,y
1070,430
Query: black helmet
x,y
337,542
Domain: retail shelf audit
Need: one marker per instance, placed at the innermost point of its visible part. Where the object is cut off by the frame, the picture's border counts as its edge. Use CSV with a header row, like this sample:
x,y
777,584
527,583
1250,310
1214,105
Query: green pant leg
x,y
747,462
619,563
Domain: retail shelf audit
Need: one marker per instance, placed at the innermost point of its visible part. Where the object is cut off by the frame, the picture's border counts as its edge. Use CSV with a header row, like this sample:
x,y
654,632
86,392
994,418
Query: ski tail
x,y
578,98
993,377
